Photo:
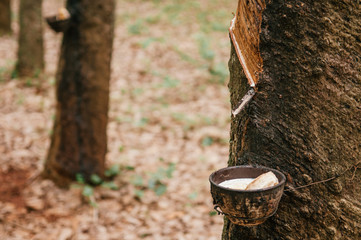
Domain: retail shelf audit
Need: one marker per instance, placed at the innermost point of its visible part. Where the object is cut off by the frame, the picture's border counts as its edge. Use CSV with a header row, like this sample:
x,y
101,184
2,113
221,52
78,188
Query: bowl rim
x,y
282,182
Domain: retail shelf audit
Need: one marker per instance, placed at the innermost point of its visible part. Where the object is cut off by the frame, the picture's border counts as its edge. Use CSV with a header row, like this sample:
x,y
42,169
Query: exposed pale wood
x,y
244,31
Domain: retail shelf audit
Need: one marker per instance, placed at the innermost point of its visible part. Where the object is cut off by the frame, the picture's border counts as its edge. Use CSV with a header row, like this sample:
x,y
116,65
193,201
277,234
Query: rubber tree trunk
x,y
305,118
79,141
31,51
5,17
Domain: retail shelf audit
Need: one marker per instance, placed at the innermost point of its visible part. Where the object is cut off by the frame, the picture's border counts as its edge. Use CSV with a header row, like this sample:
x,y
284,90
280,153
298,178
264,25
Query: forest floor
x,y
168,130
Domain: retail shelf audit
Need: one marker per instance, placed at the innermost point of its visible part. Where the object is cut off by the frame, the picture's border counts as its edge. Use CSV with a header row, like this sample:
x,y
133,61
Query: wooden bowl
x,y
246,207
58,25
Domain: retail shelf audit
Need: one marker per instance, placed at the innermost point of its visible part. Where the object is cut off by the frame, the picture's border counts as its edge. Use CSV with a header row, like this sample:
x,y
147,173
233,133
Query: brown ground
x,y
169,104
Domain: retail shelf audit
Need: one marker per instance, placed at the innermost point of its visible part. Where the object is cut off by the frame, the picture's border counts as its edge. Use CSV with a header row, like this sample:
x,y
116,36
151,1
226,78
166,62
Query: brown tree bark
x,y
31,50
305,118
79,141
5,17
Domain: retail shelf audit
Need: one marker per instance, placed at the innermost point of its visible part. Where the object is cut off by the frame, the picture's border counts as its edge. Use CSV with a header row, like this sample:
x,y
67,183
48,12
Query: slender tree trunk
x,y
305,118
79,141
5,17
31,50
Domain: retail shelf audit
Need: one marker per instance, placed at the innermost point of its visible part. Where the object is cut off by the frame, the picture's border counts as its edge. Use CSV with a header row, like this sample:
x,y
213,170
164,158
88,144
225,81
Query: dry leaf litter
x,y
163,109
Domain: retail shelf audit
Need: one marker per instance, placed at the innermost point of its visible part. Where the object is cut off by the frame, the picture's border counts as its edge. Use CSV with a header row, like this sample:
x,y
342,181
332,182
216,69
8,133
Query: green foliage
x,y
142,122
111,185
169,171
186,121
121,148
153,19
144,235
220,27
160,189
156,1
173,11
193,195
51,81
139,193
6,72
32,82
206,120
212,213
37,73
208,18
163,102
113,171
87,191
145,43
180,117
204,48
80,178
129,168
124,119
207,141
21,99
185,57
93,203
191,122
220,71
155,181
2,74
138,91
137,28
95,179
137,181
169,82
163,173
14,74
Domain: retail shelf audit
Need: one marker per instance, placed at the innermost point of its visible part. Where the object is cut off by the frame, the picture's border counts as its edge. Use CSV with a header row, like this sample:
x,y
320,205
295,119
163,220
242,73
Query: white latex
x,y
237,183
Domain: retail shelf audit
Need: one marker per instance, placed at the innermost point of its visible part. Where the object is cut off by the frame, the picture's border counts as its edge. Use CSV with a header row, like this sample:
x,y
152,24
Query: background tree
x,y
79,141
305,118
5,17
31,50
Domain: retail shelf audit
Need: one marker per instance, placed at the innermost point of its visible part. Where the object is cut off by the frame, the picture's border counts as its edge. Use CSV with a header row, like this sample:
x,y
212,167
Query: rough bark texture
x,y
305,119
79,142
5,17
31,50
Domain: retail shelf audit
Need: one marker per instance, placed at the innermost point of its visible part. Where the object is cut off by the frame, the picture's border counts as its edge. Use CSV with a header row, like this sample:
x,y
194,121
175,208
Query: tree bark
x,y
5,17
305,118
79,141
31,50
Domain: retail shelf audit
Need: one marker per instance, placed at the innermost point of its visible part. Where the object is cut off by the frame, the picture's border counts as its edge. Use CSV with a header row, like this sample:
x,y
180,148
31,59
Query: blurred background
x,y
168,129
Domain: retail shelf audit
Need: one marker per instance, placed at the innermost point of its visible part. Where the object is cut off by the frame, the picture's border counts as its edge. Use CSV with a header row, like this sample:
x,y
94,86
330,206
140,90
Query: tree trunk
x,y
305,118
79,141
5,17
31,50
